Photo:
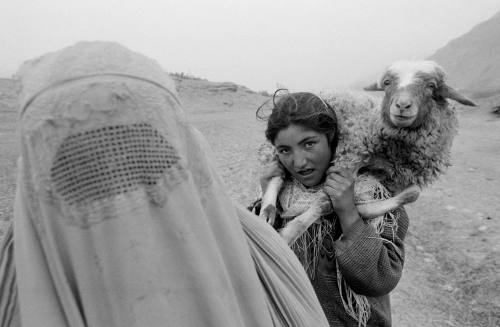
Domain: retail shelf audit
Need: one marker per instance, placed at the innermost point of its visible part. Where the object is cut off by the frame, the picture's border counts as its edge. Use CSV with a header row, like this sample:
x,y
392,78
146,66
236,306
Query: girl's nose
x,y
299,161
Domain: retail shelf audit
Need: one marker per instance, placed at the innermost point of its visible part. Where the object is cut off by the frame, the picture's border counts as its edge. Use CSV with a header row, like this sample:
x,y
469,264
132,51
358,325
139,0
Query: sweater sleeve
x,y
372,263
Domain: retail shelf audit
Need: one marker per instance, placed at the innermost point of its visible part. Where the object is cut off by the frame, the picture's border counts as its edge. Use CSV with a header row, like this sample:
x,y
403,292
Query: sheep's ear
x,y
451,93
373,87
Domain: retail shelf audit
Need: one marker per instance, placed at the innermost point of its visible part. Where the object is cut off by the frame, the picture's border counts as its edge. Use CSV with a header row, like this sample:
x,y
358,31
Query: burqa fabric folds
x,y
120,218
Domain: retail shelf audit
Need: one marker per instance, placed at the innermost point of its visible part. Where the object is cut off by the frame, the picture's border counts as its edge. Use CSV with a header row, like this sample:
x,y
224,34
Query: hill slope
x,y
472,60
201,96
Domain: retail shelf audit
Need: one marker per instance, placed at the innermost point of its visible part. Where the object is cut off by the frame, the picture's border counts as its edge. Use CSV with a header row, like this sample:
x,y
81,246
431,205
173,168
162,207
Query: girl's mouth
x,y
305,172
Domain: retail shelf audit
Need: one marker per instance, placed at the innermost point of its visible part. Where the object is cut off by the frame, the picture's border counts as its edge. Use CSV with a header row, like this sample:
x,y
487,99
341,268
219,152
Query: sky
x,y
311,45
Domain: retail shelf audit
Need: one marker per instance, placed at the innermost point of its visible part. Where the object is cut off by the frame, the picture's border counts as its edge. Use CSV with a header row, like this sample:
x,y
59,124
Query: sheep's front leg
x,y
269,199
295,228
378,208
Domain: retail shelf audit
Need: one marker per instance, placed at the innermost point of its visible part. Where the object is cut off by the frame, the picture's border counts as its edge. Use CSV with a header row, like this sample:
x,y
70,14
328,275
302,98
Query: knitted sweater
x,y
371,264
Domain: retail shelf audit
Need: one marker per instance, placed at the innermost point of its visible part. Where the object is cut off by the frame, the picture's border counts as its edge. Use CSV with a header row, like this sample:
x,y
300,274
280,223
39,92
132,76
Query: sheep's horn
x,y
450,93
373,87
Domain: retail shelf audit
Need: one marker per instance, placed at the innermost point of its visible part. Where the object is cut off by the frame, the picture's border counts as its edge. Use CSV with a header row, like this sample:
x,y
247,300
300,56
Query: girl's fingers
x,y
339,180
332,191
344,172
344,178
334,187
331,169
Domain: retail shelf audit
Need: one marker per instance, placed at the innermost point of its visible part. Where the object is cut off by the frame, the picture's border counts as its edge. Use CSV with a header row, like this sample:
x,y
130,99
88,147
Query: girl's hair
x,y
304,109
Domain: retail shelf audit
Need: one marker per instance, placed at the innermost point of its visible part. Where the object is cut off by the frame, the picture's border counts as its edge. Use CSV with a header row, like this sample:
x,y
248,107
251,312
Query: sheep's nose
x,y
403,103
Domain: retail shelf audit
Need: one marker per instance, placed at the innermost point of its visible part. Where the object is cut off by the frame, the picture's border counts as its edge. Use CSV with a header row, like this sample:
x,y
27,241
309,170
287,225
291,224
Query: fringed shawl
x,y
295,198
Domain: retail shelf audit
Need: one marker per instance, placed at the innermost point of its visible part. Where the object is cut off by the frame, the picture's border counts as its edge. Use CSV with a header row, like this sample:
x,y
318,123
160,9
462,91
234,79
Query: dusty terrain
x,y
451,276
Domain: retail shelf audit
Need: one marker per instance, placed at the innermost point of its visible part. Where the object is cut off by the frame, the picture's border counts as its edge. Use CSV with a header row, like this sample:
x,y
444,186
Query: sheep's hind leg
x,y
378,208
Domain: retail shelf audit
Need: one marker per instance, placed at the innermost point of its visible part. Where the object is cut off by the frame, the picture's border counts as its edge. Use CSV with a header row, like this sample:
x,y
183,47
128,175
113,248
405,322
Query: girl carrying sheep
x,y
352,264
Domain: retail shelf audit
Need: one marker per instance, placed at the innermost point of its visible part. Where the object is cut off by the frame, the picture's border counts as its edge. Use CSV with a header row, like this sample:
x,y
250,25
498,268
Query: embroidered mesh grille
x,y
104,162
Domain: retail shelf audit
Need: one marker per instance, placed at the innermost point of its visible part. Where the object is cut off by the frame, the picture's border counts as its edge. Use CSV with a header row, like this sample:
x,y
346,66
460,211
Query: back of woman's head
x,y
304,109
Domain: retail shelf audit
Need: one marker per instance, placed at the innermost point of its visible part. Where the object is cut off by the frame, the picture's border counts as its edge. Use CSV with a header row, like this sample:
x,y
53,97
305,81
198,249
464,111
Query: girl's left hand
x,y
339,186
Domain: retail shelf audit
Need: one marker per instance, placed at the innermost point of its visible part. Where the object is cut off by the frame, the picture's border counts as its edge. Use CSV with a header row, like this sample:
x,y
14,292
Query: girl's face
x,y
304,152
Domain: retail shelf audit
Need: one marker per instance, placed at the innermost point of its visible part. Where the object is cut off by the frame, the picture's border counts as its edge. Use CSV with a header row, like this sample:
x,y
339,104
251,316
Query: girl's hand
x,y
274,169
339,186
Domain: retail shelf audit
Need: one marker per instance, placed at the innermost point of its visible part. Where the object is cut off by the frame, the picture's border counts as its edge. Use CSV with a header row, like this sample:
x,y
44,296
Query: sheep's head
x,y
412,89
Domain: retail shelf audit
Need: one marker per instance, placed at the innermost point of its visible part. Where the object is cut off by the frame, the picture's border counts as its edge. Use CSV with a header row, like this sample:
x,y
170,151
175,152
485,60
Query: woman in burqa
x,y
120,218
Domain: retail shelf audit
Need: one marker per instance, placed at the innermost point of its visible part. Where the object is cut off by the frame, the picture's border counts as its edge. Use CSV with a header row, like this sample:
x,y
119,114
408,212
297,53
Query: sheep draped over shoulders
x,y
120,218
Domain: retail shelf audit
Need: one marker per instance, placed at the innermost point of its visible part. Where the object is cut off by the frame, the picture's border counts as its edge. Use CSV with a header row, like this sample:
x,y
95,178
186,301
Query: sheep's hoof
x,y
323,205
268,214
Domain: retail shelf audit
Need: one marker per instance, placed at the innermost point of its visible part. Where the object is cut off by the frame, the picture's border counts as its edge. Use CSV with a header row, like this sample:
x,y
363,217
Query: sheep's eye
x,y
386,82
432,86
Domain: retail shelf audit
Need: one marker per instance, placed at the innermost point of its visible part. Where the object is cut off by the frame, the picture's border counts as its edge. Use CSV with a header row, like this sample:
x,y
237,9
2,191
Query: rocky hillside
x,y
473,59
196,94
202,96
7,95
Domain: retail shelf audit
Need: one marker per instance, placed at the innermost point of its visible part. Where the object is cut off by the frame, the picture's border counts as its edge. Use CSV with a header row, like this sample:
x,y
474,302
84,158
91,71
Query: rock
x,y
482,228
448,288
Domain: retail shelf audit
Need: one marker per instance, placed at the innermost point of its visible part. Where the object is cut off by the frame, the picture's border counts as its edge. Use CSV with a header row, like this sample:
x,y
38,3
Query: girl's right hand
x,y
274,169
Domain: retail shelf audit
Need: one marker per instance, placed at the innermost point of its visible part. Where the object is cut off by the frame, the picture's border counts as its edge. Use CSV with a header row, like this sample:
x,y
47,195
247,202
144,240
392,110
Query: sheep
x,y
404,142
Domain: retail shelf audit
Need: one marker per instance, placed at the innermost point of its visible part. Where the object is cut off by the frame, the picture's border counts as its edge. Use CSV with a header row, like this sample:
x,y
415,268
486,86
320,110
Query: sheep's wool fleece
x,y
120,218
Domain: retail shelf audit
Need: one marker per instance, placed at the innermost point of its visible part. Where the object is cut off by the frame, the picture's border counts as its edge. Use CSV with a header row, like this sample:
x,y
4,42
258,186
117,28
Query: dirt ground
x,y
451,276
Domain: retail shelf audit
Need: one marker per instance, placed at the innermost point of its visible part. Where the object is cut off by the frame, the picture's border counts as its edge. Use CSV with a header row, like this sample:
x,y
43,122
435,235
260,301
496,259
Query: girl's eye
x,y
283,151
310,145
